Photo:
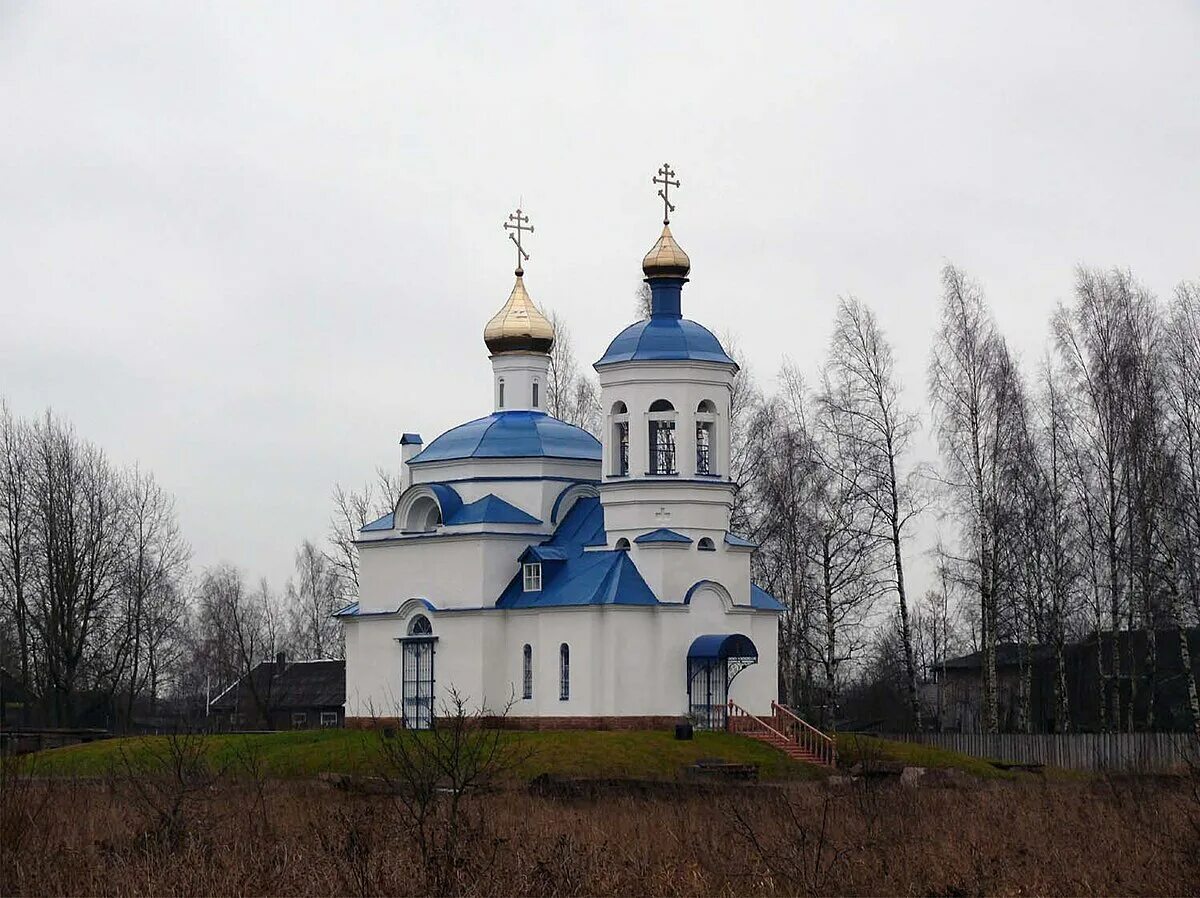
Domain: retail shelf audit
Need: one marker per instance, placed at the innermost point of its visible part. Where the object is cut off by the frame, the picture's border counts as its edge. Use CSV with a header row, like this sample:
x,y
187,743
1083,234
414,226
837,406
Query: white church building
x,y
577,582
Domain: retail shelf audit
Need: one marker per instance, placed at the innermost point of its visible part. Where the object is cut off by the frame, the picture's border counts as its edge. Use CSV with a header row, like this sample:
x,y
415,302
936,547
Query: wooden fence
x,y
1097,752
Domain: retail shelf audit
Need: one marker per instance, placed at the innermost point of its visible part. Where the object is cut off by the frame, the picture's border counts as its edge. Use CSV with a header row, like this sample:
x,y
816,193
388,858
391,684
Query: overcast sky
x,y
248,245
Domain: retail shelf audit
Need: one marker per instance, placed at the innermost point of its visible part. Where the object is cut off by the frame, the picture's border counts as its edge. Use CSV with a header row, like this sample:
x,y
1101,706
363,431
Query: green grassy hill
x,y
566,753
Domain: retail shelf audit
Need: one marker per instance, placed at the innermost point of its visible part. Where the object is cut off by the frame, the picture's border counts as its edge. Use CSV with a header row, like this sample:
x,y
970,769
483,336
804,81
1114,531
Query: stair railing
x,y
739,720
802,733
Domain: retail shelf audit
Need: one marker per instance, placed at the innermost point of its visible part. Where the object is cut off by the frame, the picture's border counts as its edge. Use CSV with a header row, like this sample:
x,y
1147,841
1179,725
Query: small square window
x,y
328,719
299,720
533,577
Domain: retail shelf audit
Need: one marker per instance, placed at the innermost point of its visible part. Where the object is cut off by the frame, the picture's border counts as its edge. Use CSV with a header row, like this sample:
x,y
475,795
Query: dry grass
x,y
247,836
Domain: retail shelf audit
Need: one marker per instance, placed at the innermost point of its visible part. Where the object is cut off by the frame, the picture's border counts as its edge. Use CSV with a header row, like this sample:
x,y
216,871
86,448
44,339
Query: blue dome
x,y
665,338
515,434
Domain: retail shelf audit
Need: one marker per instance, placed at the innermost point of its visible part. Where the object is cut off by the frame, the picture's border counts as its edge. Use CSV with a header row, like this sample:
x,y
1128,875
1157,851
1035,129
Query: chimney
x,y
410,445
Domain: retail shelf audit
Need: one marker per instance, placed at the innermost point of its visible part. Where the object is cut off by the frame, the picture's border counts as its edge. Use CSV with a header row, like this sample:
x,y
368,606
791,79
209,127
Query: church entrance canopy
x,y
713,661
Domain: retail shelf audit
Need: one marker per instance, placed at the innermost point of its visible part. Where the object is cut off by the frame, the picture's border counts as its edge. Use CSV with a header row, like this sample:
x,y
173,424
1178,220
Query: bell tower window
x,y
662,437
535,396
705,437
619,446
500,389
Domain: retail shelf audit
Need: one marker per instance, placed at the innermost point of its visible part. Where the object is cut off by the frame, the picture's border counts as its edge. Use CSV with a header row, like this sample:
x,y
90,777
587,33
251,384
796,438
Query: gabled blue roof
x,y
544,553
512,434
763,600
665,338
606,577
662,535
740,542
491,509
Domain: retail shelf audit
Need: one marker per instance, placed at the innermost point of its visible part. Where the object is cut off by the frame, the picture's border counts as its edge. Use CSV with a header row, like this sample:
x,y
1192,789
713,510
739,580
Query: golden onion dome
x,y
519,326
666,258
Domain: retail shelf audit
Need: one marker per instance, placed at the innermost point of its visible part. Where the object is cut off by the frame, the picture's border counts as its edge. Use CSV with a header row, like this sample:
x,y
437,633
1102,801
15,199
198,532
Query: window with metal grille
x,y
703,448
533,577
623,448
662,447
564,673
527,672
299,720
328,719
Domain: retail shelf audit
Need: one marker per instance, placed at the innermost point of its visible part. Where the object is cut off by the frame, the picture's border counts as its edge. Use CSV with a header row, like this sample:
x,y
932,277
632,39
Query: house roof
x,y
294,684
606,577
489,509
512,434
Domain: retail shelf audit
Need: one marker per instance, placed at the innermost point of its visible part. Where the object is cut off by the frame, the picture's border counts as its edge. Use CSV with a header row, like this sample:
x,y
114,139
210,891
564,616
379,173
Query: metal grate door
x,y
417,686
707,691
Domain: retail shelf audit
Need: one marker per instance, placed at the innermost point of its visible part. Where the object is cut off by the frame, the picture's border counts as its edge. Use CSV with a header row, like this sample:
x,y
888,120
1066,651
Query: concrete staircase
x,y
785,731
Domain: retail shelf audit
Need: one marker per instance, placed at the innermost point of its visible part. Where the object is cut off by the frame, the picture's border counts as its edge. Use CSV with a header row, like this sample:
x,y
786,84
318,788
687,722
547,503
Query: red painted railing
x,y
804,734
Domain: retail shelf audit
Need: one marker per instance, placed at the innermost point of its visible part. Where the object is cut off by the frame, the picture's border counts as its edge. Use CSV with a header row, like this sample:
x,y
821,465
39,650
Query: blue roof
x,y
665,338
662,535
491,509
512,434
387,522
606,577
723,645
740,542
763,600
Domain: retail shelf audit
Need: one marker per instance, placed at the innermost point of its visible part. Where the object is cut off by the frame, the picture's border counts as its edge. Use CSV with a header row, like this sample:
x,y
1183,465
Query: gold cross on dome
x,y
518,222
667,184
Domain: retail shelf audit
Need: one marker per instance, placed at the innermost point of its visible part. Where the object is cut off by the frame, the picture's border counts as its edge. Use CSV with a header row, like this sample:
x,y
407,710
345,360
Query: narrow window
x,y
535,393
564,673
527,672
533,577
705,433
623,448
703,447
662,437
328,719
500,404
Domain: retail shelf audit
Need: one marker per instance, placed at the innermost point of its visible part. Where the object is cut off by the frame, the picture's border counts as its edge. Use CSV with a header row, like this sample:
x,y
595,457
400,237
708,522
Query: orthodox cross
x,y
518,222
667,184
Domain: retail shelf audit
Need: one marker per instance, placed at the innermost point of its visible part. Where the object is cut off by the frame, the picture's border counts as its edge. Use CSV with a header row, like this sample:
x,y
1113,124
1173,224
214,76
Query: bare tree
x,y
571,395
962,380
313,595
863,396
16,539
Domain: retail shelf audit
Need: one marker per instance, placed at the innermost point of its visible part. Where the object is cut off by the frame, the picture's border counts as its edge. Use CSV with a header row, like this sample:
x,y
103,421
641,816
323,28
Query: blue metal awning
x,y
722,645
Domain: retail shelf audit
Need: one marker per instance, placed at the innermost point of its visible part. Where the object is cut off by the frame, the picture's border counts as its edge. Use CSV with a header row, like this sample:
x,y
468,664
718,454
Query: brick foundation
x,y
539,723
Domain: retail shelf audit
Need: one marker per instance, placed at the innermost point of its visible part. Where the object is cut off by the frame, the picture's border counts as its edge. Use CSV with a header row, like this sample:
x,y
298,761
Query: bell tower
x,y
666,386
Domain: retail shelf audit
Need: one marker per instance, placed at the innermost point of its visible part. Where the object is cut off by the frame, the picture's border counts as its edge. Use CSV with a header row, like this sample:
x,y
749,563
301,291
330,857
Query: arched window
x,y
527,671
620,439
564,673
706,432
420,626
623,543
424,516
662,437
706,545
536,398
500,396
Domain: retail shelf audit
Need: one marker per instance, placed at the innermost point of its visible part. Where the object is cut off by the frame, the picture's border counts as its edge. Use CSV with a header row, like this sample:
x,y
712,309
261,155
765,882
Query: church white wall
x,y
624,661
451,572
